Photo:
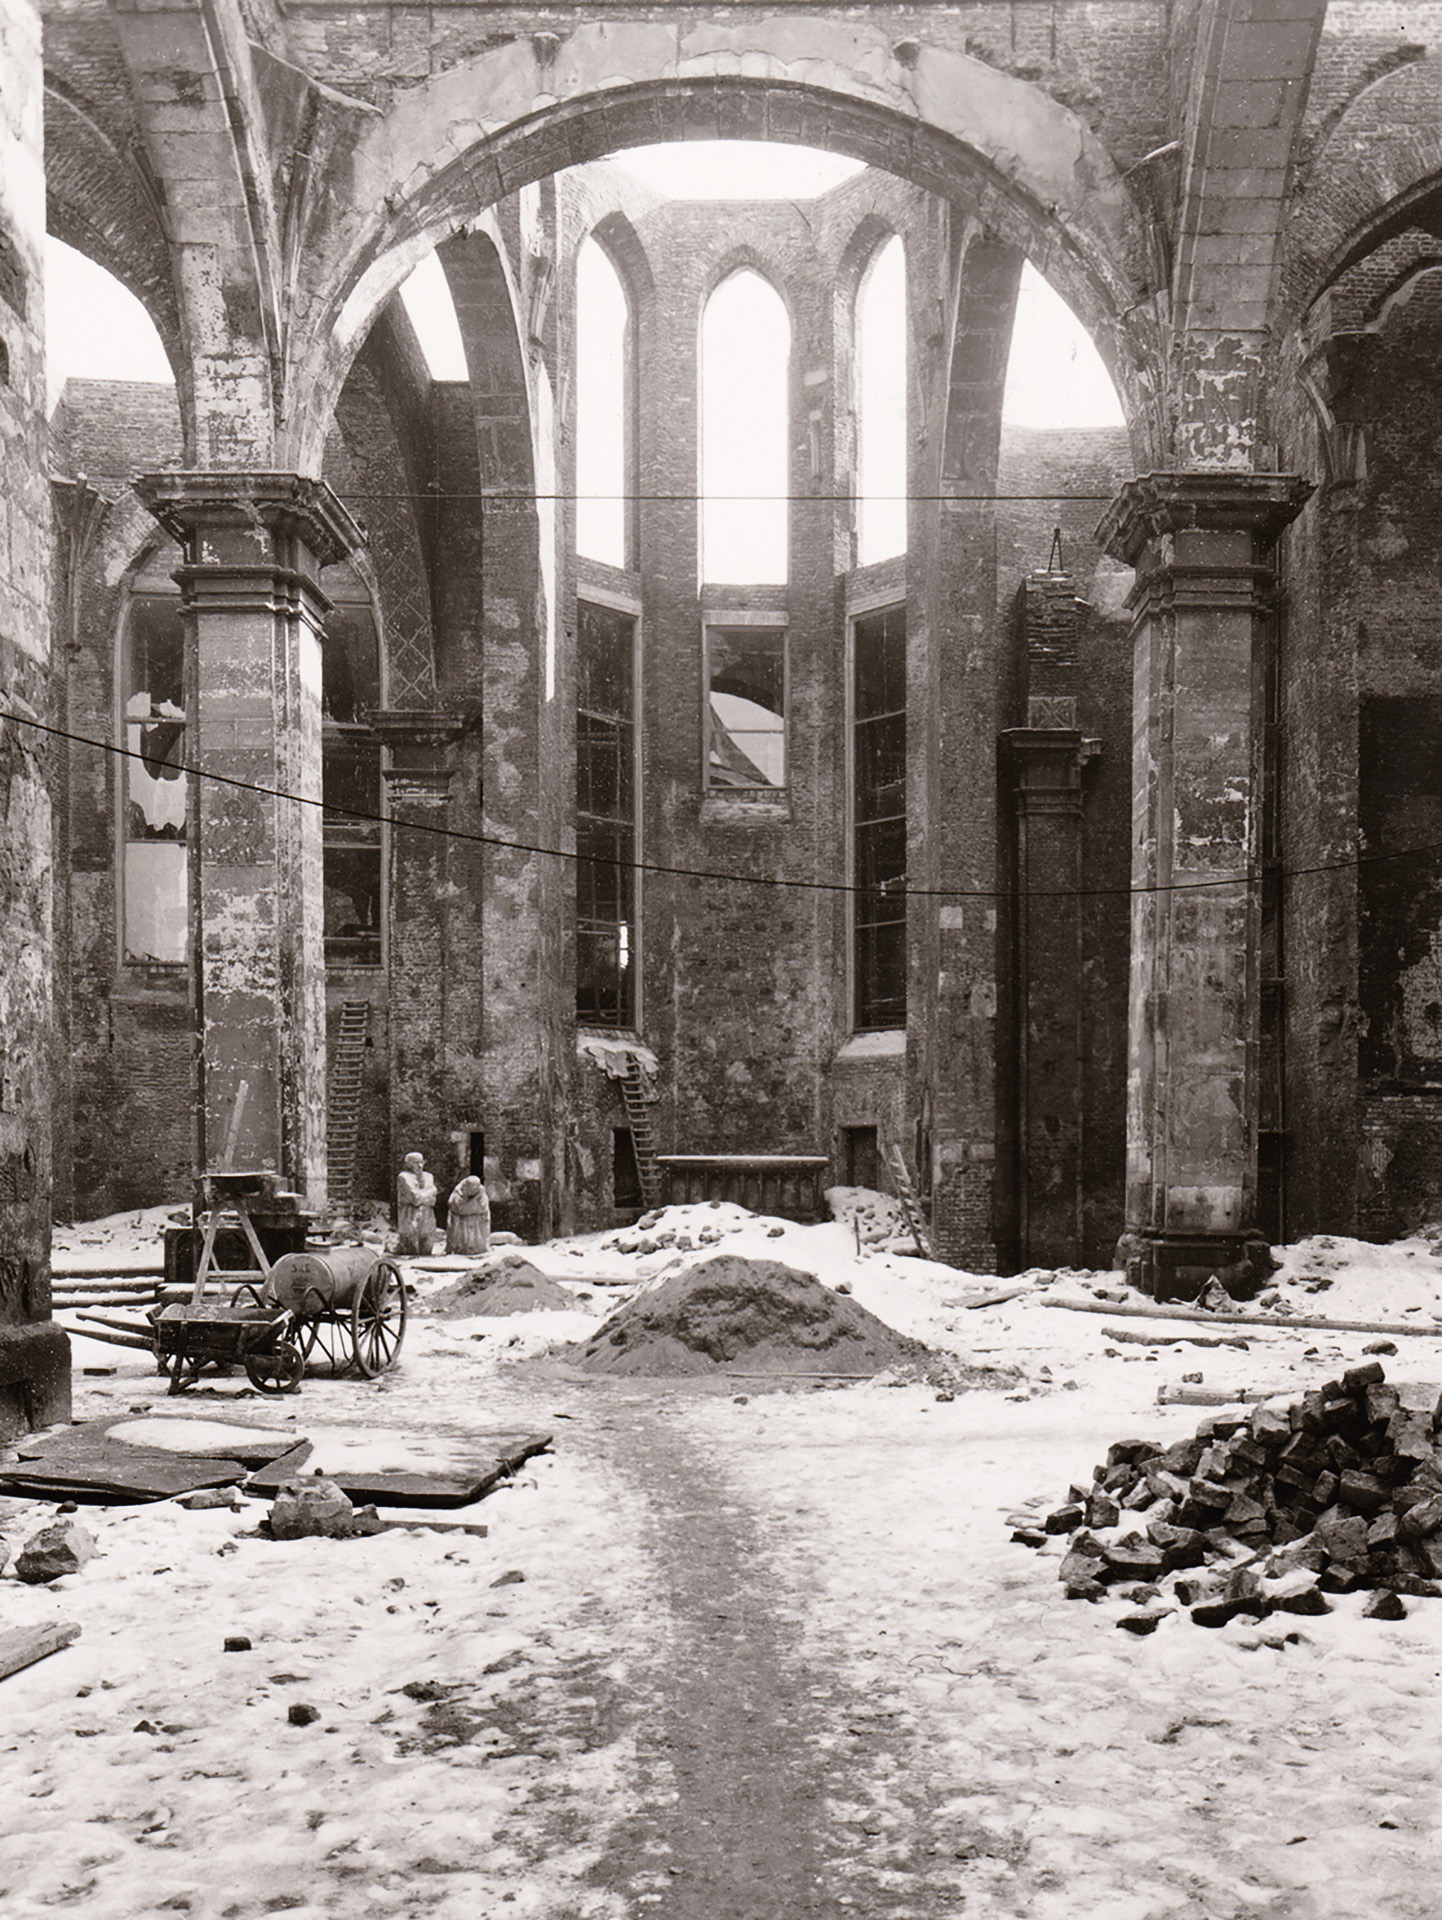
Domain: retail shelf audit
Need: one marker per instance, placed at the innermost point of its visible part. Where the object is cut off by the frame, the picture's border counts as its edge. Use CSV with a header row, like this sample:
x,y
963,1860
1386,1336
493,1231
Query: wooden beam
x,y
1309,1323
22,1646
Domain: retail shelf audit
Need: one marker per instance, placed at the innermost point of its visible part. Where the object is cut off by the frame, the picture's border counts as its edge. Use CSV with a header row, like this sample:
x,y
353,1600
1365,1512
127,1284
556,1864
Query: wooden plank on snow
x,y
21,1647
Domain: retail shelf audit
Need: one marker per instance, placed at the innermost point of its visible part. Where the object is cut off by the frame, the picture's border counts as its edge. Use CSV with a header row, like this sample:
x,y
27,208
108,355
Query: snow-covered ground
x,y
1059,1767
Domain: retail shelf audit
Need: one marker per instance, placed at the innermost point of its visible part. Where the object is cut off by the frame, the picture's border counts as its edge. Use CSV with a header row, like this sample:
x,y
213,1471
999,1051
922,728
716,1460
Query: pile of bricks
x,y
1264,1512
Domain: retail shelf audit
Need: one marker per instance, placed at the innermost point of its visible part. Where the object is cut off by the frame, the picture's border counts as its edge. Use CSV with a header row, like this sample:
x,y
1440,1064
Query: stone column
x,y
1047,762
34,1353
418,778
1201,545
254,544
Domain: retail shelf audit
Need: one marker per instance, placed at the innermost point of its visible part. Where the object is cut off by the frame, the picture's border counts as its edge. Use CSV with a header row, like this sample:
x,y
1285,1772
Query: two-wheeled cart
x,y
338,1308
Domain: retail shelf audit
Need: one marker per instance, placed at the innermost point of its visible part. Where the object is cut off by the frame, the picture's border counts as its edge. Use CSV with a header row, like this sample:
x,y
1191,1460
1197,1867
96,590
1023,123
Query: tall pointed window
x,y
745,433
605,816
878,817
603,437
881,407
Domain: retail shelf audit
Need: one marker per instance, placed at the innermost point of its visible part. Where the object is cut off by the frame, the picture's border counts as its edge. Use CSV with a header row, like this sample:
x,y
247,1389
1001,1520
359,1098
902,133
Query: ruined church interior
x,y
694,732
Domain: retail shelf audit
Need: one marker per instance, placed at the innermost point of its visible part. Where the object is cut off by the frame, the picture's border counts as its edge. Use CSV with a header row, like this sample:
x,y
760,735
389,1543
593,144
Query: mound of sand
x,y
509,1283
748,1316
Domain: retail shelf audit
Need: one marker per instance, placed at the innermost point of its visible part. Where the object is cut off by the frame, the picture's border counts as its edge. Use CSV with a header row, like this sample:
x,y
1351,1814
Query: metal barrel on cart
x,y
349,1305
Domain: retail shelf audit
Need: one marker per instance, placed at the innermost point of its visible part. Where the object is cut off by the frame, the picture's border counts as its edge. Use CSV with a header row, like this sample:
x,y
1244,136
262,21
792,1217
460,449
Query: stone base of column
x,y
1178,1266
34,1378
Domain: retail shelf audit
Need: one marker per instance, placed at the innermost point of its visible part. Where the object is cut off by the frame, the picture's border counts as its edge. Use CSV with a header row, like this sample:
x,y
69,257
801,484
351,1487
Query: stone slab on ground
x,y
175,1434
153,1457
117,1474
492,1458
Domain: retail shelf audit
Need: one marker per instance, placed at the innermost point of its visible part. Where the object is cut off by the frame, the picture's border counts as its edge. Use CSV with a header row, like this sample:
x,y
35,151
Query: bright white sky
x,y
99,331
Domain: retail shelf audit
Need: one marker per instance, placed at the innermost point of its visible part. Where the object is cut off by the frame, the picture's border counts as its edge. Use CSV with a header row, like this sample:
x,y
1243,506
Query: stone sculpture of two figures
x,y
468,1212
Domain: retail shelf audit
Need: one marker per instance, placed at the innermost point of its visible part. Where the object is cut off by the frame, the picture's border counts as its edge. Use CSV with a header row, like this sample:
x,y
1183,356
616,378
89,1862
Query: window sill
x,y
874,1043
156,982
747,804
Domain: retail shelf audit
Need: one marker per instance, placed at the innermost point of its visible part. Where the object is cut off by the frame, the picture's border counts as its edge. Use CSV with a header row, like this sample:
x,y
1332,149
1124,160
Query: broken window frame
x,y
165,727
878,823
608,890
724,743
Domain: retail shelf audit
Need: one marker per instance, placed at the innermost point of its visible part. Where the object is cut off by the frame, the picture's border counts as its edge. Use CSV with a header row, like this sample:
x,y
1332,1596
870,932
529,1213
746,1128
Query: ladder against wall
x,y
347,1057
910,1201
640,1105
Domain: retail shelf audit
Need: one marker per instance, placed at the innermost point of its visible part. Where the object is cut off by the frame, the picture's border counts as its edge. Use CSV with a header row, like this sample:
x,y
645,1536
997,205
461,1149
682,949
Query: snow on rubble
x,y
1203,1774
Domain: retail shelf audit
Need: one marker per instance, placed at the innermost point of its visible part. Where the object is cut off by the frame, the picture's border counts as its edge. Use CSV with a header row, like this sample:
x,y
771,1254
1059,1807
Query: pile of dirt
x,y
729,1313
508,1283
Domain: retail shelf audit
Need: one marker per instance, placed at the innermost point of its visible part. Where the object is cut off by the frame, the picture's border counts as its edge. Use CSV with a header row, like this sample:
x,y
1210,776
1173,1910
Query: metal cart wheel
x,y
323,1338
378,1320
276,1370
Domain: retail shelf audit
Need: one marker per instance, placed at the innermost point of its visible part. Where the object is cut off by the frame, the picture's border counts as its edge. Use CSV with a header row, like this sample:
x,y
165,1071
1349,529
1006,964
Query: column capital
x,y
192,503
419,740
1155,505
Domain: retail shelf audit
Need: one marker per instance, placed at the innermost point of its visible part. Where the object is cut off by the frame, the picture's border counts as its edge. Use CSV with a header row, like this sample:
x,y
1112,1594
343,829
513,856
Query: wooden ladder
x,y
910,1201
343,1106
639,1106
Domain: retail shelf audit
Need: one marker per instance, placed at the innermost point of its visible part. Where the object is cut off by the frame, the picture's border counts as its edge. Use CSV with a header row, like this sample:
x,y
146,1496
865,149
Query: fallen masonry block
x,y
54,1552
1422,1518
1216,1613
1384,1606
312,1507
1203,1585
1133,1558
1143,1623
1312,1601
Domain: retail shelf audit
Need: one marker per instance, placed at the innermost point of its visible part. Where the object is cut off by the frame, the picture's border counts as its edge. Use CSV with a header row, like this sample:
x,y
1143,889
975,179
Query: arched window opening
x,y
1054,375
881,376
745,433
426,296
603,393
155,915
95,328
354,865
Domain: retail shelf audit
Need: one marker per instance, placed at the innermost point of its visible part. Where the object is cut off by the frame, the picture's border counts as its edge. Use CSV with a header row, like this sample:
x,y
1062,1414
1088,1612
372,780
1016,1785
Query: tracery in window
x,y
881,406
603,439
745,397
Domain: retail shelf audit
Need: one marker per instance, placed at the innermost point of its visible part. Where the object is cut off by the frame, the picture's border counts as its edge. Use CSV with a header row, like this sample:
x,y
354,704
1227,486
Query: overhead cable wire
x,y
664,870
